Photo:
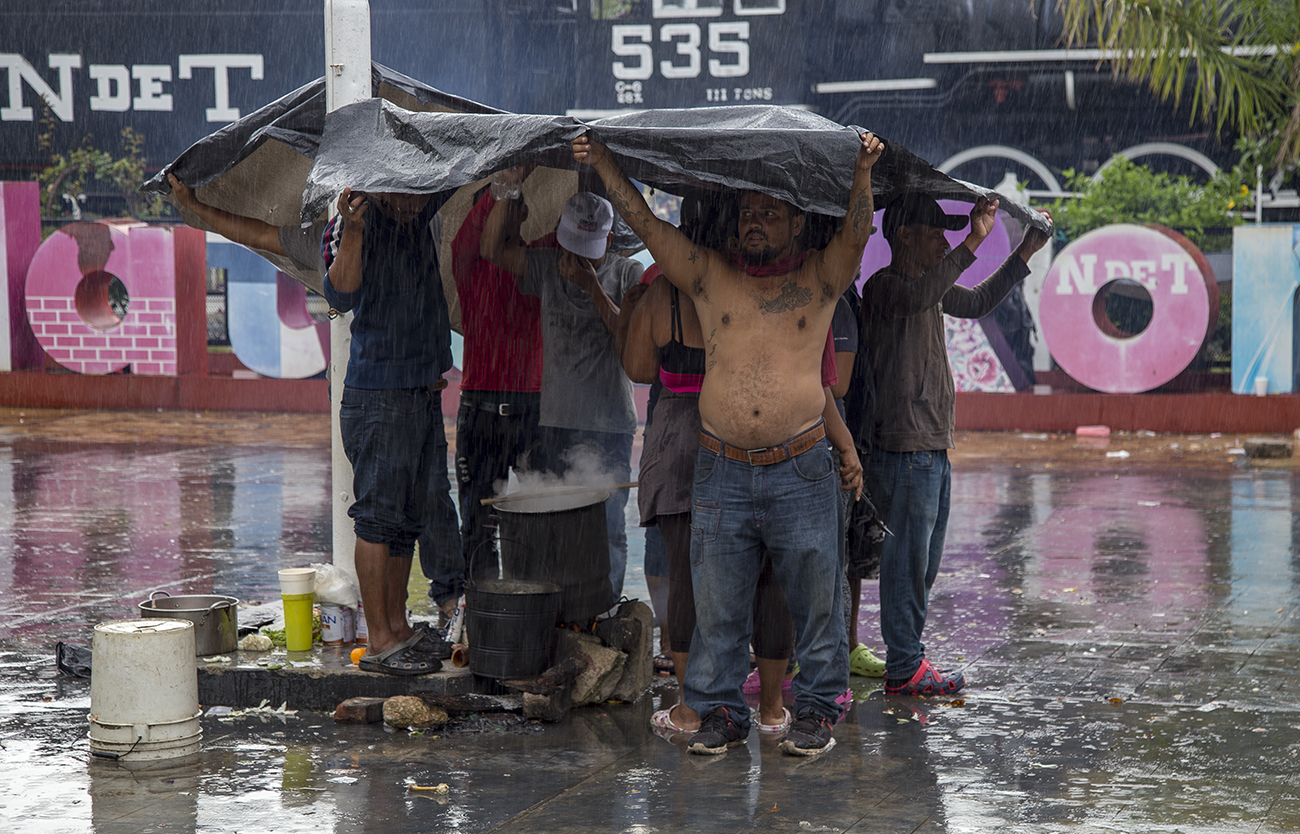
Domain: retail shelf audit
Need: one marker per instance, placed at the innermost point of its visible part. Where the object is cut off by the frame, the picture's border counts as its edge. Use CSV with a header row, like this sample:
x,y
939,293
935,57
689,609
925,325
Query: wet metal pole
x,y
347,80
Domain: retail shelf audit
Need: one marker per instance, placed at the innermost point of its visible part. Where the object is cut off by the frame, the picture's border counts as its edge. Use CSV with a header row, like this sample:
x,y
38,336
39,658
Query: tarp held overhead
x,y
792,154
257,166
287,161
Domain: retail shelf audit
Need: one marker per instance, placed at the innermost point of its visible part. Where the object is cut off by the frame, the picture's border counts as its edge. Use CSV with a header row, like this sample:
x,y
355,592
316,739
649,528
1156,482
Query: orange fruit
x,y
356,655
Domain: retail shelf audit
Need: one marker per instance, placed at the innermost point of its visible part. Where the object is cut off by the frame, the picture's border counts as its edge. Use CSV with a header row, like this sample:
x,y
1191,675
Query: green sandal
x,y
864,663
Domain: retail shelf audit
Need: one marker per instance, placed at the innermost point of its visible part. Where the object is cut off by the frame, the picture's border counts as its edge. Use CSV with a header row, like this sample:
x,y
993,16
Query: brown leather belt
x,y
793,447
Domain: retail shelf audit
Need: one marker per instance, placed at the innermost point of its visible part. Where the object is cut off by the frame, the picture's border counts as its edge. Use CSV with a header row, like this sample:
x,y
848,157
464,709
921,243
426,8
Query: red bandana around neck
x,y
781,266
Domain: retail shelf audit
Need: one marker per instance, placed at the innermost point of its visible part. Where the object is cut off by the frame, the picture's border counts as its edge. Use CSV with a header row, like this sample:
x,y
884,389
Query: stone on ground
x,y
604,667
407,712
1267,447
631,631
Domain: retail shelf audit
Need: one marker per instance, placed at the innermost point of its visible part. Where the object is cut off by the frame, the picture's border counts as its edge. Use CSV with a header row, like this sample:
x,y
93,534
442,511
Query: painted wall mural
x,y
1266,274
270,329
99,297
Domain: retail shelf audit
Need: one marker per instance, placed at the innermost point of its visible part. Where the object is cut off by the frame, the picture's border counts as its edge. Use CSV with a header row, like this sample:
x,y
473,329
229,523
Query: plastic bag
x,y
72,660
336,586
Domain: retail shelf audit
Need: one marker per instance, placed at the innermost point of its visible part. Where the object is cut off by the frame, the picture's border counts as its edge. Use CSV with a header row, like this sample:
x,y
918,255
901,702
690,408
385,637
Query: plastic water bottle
x,y
456,625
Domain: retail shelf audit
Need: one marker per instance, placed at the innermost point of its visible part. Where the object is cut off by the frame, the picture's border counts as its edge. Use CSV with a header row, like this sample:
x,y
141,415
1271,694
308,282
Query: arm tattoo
x,y
792,297
861,213
694,256
634,211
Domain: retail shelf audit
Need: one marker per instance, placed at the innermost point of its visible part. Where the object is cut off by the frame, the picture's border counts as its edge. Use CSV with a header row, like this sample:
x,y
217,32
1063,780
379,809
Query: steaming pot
x,y
561,539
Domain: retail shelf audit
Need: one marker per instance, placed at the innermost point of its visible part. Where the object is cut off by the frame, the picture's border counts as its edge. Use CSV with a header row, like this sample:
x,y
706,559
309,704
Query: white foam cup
x,y
297,581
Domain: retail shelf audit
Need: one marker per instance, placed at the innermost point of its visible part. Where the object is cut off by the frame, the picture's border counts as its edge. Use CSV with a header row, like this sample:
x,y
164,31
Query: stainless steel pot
x,y
215,618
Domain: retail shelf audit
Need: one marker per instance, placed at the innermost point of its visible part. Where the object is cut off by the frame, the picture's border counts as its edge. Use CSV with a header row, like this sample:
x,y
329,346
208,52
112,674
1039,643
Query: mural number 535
x,y
729,39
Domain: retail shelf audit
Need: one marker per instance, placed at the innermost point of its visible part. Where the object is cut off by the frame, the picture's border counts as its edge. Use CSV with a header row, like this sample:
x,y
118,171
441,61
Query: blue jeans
x,y
792,511
911,491
603,455
440,543
397,445
488,446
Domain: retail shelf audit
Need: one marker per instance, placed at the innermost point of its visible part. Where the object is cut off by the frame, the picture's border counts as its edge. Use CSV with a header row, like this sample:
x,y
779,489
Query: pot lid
x,y
143,626
540,503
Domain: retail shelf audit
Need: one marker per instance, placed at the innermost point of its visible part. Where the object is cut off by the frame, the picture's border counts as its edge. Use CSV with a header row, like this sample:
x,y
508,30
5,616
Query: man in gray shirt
x,y
587,420
907,475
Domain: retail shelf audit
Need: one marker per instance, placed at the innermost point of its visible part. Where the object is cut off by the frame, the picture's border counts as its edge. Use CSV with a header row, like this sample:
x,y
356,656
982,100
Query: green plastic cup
x,y
296,586
297,621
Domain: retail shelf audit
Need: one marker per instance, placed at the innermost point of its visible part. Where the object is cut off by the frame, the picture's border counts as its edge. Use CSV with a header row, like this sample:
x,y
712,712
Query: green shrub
x,y
1127,192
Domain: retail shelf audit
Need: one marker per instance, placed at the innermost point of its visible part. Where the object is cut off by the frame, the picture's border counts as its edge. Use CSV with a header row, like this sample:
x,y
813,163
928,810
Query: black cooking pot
x,y
561,539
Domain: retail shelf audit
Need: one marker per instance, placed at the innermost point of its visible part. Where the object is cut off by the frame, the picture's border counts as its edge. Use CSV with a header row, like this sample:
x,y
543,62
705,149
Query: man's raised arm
x,y
683,262
493,245
248,231
839,261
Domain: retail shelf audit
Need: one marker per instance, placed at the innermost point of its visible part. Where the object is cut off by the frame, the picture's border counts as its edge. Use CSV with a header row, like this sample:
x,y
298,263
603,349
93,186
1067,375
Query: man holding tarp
x,y
587,416
764,476
908,474
382,260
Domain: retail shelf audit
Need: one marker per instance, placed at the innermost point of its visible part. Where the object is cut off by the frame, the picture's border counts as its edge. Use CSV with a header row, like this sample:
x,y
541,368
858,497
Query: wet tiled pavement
x,y
1129,628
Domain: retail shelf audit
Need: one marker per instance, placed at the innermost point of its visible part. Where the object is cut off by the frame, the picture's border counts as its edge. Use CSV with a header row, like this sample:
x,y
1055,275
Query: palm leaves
x,y
1238,61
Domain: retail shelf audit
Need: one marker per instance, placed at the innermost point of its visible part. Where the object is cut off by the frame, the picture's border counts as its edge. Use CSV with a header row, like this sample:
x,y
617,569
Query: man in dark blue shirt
x,y
382,260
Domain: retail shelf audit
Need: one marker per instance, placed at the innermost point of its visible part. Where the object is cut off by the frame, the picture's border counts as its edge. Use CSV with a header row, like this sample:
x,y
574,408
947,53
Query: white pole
x,y
347,80
1259,193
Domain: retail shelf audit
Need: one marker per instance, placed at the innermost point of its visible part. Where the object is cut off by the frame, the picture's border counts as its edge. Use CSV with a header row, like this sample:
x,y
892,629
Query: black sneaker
x,y
717,732
809,735
431,642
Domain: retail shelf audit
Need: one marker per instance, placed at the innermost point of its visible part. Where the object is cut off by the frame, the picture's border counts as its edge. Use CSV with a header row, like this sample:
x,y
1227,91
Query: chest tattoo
x,y
792,297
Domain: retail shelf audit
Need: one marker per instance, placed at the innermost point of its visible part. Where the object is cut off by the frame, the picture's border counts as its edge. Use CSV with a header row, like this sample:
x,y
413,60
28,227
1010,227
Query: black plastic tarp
x,y
257,166
286,162
792,154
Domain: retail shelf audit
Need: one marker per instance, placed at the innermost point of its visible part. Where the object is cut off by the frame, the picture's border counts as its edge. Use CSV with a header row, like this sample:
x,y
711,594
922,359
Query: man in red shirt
x,y
499,390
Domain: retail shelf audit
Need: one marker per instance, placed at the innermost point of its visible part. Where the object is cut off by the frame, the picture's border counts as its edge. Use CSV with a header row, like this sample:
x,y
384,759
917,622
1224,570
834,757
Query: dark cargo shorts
x,y
391,436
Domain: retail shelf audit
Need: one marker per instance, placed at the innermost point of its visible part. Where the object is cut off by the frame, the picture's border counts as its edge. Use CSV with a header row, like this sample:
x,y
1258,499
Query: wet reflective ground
x,y
1129,628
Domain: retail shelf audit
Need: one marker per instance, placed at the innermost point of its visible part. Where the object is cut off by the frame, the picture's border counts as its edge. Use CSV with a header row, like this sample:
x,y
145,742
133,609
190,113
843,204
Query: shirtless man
x,y
764,476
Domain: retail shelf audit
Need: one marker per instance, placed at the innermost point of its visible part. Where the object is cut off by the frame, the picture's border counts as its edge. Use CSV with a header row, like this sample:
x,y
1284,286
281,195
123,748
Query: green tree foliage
x,y
1237,60
1126,192
71,172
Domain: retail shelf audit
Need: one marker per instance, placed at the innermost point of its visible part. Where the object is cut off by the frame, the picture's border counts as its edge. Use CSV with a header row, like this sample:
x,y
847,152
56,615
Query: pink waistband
x,y
681,383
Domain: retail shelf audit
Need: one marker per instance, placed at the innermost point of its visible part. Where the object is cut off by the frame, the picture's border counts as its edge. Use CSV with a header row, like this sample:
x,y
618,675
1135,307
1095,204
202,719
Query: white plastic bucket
x,y
144,691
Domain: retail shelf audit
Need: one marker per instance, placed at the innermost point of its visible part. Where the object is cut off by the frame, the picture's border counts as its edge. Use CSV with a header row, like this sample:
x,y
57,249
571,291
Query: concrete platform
x,y
317,680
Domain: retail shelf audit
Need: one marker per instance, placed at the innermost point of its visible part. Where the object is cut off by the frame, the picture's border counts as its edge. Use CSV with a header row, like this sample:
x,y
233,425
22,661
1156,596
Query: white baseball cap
x,y
585,224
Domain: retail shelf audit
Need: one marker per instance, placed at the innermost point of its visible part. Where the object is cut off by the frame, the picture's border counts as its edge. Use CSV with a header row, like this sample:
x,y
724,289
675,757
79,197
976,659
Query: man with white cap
x,y
587,415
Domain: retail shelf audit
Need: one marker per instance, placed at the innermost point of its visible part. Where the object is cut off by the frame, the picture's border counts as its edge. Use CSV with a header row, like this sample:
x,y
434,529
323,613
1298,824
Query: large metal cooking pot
x,y
561,539
215,618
